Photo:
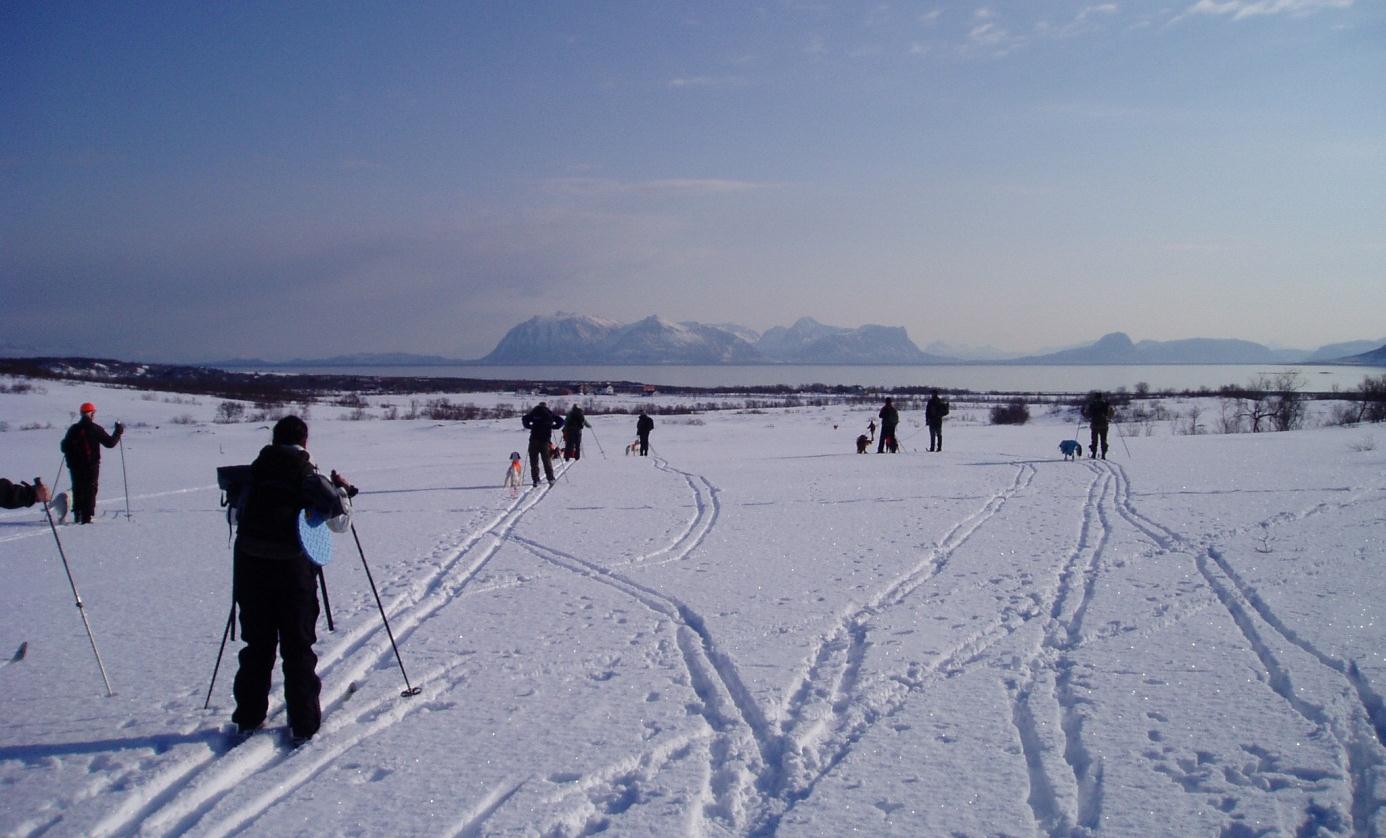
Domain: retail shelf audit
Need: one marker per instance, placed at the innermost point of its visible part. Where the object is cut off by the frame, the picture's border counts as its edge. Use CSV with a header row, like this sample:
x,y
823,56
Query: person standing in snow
x,y
274,583
82,447
1098,412
572,433
541,423
643,426
890,418
18,495
934,411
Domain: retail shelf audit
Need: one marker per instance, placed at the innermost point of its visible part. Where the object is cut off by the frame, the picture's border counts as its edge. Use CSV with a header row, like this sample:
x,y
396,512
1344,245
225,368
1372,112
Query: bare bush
x,y
1013,412
228,412
1366,403
183,419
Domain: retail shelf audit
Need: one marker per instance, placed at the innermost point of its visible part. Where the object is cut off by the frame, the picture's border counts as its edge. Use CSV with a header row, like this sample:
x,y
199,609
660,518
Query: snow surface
x,y
754,631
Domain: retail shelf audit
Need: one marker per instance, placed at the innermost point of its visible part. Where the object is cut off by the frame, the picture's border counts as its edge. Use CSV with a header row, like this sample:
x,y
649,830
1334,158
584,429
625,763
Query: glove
x,y
119,429
341,483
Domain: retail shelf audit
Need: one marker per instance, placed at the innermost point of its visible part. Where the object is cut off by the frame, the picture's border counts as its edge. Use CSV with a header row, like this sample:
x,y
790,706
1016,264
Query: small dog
x,y
1071,448
863,443
633,448
515,473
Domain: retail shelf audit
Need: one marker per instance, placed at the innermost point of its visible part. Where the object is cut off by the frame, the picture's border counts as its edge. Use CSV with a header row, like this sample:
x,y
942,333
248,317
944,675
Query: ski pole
x,y
1122,436
598,441
57,478
409,690
81,609
125,477
230,621
326,603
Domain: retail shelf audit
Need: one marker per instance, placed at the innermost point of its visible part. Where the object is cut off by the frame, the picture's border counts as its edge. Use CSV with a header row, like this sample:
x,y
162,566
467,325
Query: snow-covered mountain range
x,y
580,339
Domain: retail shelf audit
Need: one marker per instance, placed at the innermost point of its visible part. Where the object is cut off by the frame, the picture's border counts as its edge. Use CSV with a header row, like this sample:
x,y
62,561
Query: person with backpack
x,y
934,411
21,494
573,424
274,582
1098,412
541,423
81,446
890,418
643,426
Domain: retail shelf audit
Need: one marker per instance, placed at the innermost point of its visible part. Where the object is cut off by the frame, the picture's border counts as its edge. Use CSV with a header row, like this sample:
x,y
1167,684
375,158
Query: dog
x,y
633,448
515,473
1071,448
863,442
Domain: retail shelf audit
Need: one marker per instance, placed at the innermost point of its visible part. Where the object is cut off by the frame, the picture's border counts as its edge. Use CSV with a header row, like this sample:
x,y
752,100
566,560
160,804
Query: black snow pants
x,y
278,599
539,450
1099,432
936,437
84,483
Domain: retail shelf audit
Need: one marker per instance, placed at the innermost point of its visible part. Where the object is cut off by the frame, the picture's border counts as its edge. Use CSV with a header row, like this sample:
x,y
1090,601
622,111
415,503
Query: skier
x,y
82,448
643,426
17,495
274,583
1098,411
541,423
889,419
572,433
934,411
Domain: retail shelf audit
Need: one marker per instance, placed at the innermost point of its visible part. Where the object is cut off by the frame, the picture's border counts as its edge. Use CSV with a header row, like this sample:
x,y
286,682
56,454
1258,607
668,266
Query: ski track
x,y
1357,729
831,708
758,771
176,798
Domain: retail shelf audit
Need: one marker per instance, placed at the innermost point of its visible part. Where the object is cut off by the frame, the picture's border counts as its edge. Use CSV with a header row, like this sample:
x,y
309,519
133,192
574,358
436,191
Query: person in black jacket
x,y
890,418
1098,412
643,426
82,448
275,583
17,495
934,411
573,424
541,423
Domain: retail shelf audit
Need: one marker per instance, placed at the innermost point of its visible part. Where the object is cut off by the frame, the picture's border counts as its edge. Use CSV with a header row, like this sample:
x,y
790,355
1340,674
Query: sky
x,y
183,182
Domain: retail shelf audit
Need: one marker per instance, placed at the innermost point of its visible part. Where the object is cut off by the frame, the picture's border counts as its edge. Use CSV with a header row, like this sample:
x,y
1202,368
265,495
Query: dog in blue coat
x,y
1071,448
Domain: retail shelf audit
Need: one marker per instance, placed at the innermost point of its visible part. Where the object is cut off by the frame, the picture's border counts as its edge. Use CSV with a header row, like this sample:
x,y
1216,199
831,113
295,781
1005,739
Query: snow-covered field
x,y
754,631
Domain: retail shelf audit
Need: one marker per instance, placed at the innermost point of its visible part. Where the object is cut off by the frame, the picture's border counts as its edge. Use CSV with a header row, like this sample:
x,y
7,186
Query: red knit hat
x,y
87,407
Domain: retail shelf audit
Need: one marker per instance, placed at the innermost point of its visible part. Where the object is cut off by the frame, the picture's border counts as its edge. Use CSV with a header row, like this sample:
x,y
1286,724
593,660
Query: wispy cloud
x,y
666,186
708,81
1242,9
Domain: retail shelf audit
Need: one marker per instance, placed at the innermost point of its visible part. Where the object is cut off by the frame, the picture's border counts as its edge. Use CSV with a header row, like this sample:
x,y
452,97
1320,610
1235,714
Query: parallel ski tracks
x,y
180,796
1353,715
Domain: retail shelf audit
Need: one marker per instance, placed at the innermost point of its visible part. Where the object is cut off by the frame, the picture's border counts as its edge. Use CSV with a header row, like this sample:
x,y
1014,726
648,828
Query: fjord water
x,y
977,377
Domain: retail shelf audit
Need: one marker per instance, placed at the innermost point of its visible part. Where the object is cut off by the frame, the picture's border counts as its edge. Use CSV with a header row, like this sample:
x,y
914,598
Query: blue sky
x,y
189,181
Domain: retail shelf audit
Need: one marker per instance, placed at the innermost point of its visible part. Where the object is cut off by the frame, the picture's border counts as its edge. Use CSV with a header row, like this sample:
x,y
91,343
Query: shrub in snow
x,y
1013,412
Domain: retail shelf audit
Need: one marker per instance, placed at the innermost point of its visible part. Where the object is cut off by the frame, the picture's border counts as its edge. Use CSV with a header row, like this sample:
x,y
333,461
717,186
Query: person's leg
x,y
1092,444
83,496
297,617
252,685
547,457
535,448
